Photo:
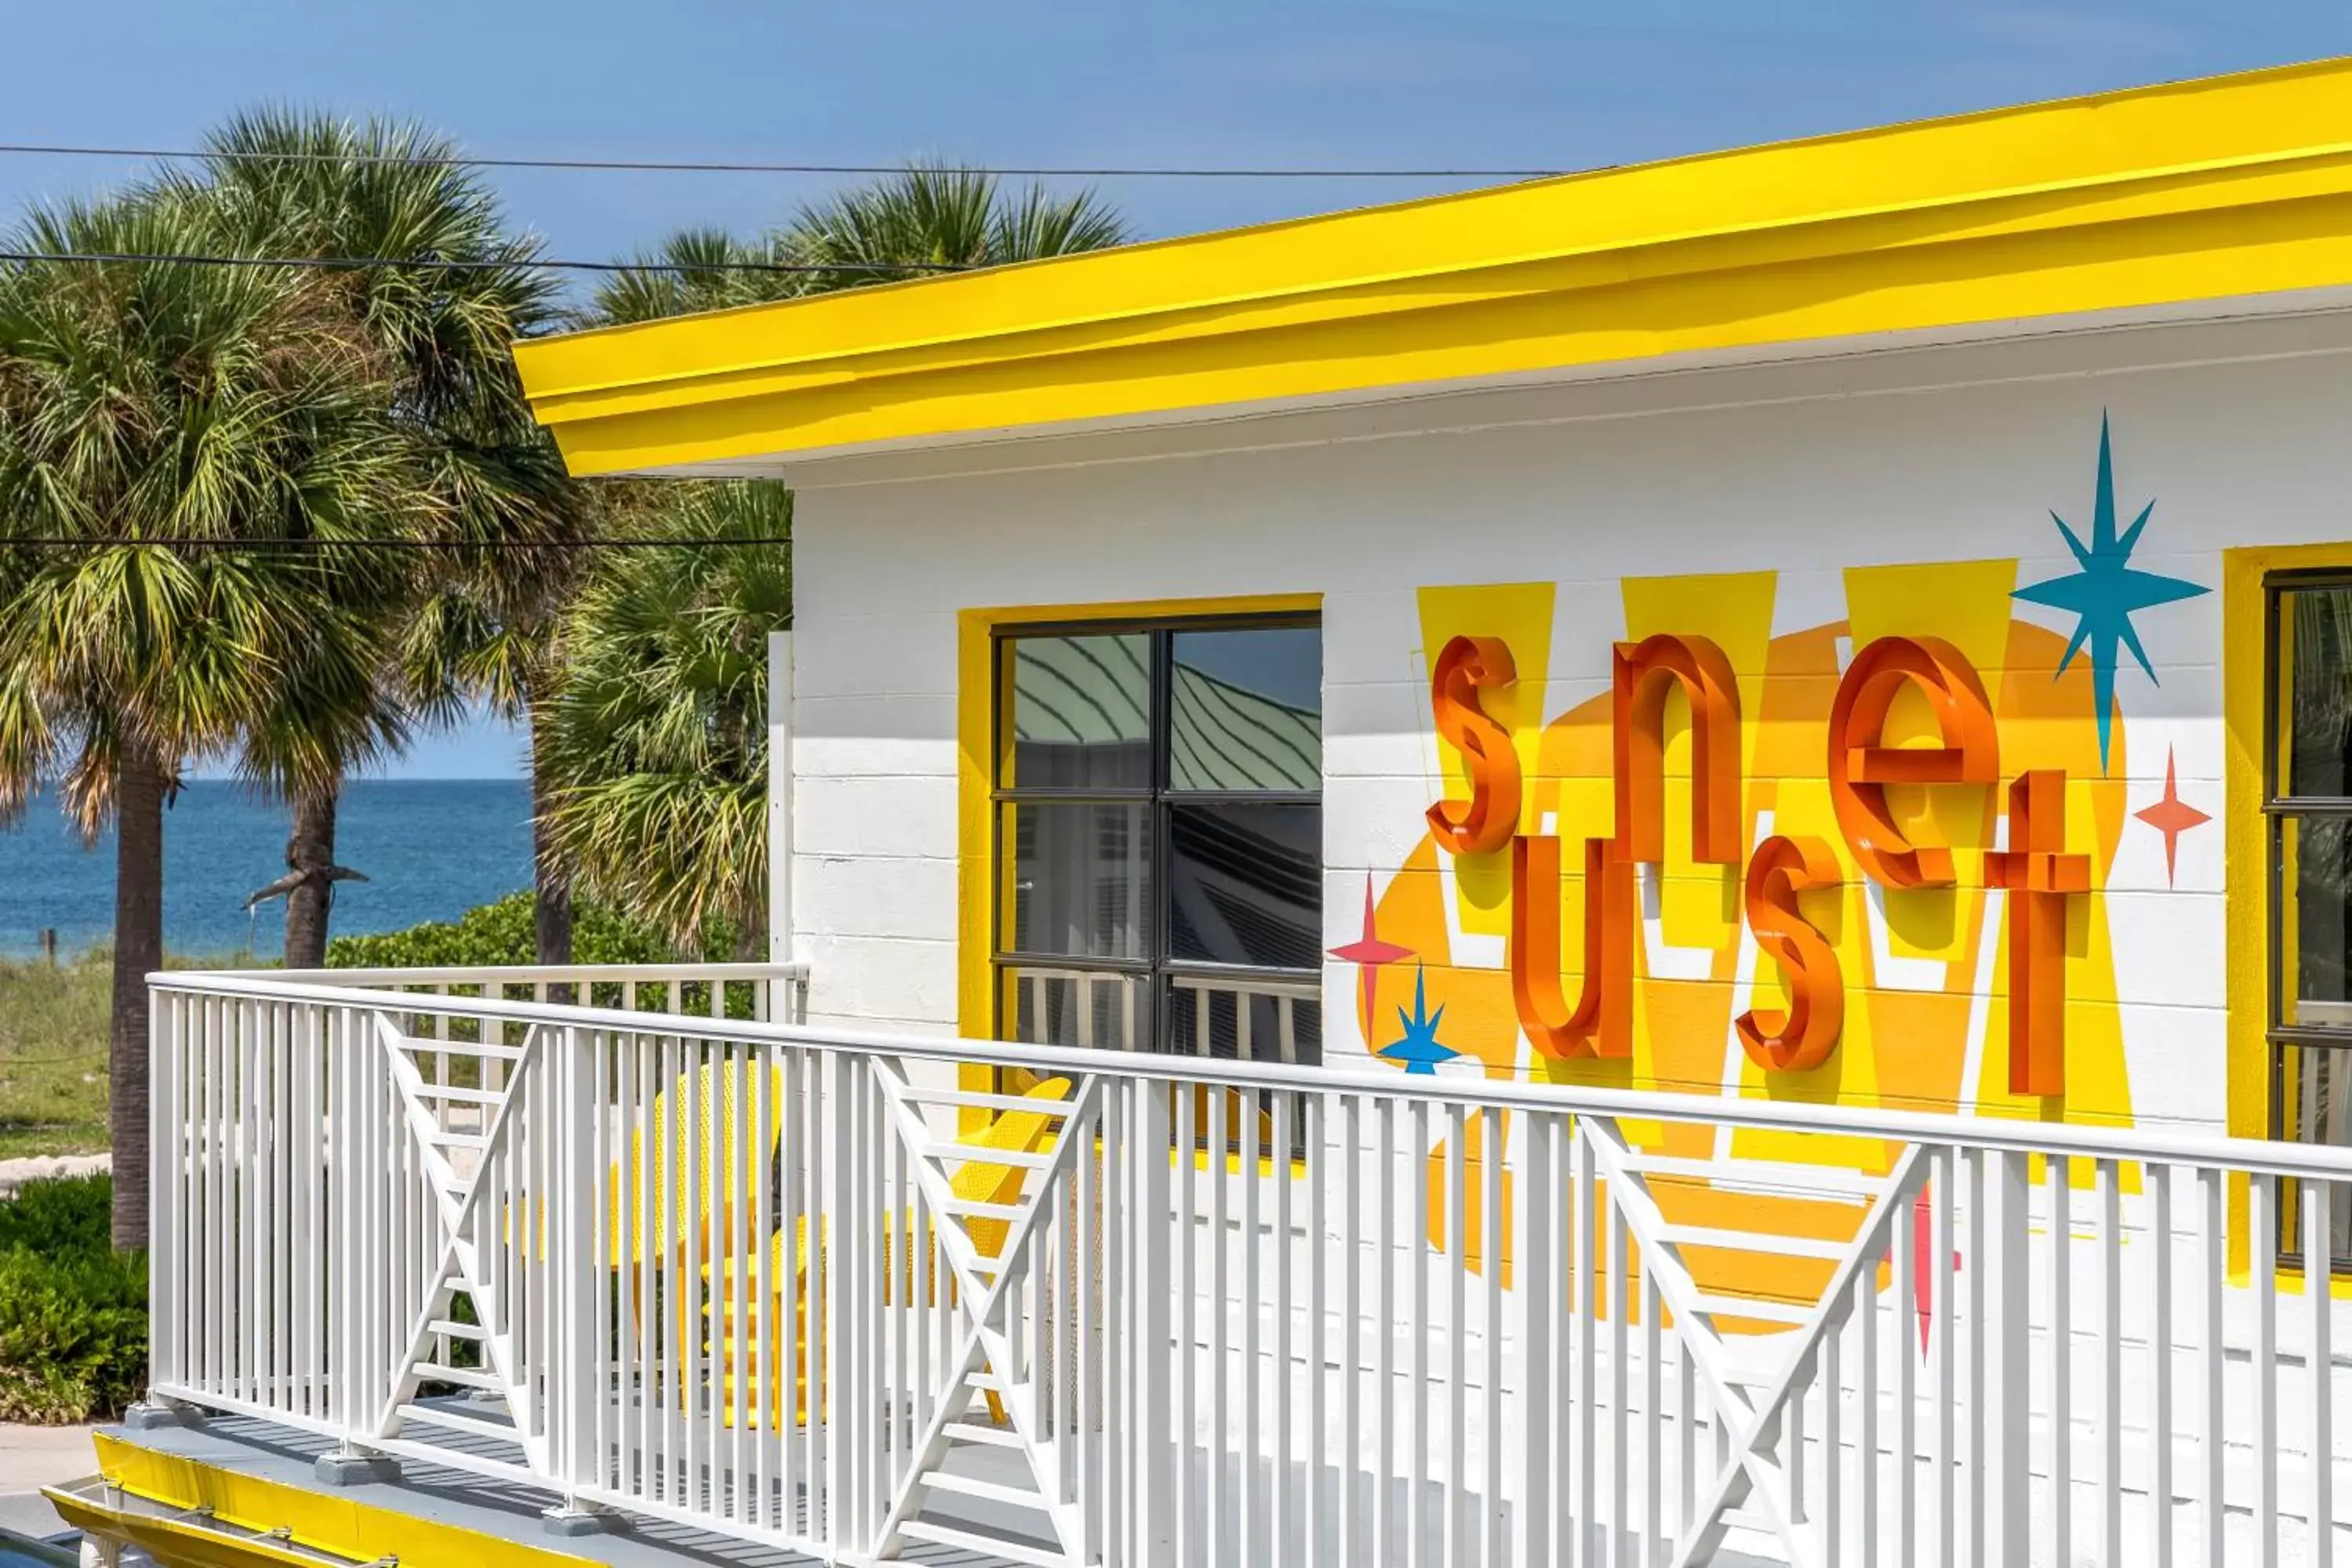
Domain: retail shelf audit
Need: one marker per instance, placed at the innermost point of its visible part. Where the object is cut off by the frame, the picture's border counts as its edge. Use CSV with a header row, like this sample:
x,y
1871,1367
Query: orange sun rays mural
x,y
1860,862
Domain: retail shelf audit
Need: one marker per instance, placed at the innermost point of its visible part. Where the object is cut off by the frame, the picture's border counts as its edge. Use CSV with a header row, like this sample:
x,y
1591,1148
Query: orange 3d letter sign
x,y
1803,1036
1860,766
1644,672
2035,870
2040,875
1601,1024
1465,667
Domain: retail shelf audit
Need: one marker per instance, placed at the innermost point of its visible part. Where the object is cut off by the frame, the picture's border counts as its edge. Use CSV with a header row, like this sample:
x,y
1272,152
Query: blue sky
x,y
1519,84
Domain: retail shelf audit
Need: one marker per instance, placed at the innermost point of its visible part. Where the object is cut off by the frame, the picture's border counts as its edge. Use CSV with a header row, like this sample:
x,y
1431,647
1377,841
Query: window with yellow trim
x,y
1158,805
2308,795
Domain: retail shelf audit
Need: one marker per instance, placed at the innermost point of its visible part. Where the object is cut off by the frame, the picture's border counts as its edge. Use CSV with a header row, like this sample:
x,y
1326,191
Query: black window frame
x,y
2281,1039
1156,967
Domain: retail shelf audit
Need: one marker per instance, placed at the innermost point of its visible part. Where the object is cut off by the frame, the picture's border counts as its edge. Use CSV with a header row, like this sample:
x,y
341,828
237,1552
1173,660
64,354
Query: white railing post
x,y
567,1414
2004,1340
1534,1311
780,796
1155,1425
165,1190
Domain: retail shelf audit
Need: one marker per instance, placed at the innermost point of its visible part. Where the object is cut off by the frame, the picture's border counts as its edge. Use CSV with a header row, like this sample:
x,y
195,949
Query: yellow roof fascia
x,y
2232,186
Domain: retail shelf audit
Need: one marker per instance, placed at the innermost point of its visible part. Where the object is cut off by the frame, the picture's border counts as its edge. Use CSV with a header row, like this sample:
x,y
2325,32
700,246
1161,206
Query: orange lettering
x,y
1643,671
1861,767
1602,1024
1464,667
2040,877
1804,1036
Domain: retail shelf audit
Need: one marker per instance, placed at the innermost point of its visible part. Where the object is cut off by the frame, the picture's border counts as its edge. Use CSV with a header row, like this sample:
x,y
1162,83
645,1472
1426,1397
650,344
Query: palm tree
x,y
658,750
698,269
486,487
204,406
936,215
901,227
658,732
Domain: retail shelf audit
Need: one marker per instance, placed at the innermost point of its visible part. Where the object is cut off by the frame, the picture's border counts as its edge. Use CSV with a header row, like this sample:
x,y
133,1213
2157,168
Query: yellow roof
x,y
2156,196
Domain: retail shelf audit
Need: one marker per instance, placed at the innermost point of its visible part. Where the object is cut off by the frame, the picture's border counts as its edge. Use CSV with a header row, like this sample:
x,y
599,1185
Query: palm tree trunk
x,y
138,950
310,848
552,890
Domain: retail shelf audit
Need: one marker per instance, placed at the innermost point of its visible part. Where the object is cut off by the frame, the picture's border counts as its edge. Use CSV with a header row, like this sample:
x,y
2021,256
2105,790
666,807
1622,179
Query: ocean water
x,y
432,849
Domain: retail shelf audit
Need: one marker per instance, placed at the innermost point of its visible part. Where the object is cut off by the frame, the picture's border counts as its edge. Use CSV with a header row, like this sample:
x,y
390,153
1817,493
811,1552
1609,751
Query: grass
x,y
53,1031
53,1034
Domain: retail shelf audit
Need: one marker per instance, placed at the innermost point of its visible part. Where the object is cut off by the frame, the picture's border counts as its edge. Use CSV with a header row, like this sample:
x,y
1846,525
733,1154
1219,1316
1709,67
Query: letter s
x,y
1486,821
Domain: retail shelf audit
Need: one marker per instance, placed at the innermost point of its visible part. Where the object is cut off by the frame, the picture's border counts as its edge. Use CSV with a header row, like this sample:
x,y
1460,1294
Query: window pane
x,y
1076,1007
1246,709
1080,713
1081,875
1245,885
1244,1020
2316,1083
2316,923
2316,638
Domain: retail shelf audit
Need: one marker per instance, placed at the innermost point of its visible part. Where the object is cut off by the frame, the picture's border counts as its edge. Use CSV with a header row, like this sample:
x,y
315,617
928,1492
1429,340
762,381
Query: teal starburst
x,y
1419,1050
2107,593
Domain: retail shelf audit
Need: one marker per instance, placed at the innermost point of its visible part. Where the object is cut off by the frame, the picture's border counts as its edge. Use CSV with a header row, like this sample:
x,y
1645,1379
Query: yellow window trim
x,y
976,872
2245,665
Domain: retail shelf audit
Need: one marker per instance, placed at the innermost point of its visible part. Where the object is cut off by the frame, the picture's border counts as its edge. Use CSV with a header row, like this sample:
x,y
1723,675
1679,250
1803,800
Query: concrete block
x,y
155,1416
570,1524
356,1470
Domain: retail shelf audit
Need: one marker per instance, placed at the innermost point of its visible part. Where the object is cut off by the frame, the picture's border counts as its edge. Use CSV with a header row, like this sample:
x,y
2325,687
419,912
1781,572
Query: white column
x,y
780,796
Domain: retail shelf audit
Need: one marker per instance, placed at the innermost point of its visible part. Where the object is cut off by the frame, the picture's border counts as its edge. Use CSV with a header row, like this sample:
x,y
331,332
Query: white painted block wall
x,y
1960,454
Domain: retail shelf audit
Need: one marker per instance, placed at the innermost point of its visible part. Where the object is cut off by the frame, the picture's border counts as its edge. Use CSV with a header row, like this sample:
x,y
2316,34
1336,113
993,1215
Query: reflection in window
x,y
1080,711
2318,1084
1075,1007
2309,807
2315,623
2317,854
1158,839
1244,884
1079,875
1246,709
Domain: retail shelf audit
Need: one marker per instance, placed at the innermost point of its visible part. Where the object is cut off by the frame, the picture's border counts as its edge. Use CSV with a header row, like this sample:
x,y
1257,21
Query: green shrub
x,y
73,1311
503,933
59,1216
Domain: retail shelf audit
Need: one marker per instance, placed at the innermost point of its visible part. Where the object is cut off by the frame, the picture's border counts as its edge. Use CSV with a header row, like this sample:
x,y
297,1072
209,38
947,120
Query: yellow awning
x,y
2156,196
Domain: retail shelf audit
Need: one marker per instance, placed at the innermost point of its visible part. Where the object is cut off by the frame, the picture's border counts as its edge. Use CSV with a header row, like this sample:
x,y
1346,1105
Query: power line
x,y
653,165
353,263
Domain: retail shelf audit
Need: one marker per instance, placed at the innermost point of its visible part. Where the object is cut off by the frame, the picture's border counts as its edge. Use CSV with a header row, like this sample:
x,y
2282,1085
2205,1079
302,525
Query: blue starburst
x,y
2107,593
1419,1050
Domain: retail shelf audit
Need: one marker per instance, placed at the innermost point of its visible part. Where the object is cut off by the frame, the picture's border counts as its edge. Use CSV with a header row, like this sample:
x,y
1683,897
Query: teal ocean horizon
x,y
431,849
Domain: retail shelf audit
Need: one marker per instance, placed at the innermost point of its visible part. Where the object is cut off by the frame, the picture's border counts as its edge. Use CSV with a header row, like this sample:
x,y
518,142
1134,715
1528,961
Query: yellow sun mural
x,y
1924,987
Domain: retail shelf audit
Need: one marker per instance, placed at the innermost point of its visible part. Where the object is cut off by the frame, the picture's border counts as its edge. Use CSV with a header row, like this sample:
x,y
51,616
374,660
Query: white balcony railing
x,y
1165,1310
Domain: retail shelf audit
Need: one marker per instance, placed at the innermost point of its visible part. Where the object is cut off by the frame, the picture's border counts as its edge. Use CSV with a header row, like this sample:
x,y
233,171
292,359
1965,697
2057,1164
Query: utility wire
x,y
653,165
347,263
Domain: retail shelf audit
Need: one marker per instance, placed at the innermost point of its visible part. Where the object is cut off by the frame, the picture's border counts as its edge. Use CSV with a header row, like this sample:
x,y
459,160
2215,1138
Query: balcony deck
x,y
236,1481
814,1294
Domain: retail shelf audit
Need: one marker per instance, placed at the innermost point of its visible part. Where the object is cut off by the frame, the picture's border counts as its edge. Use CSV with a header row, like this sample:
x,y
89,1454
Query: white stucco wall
x,y
2236,431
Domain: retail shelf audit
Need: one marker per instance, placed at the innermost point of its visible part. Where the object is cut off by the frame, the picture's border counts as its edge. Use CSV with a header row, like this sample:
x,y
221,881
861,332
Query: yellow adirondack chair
x,y
976,1180
719,1203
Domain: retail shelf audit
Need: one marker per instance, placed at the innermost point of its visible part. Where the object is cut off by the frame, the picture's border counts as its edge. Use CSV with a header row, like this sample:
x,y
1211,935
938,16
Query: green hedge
x,y
503,932
73,1311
